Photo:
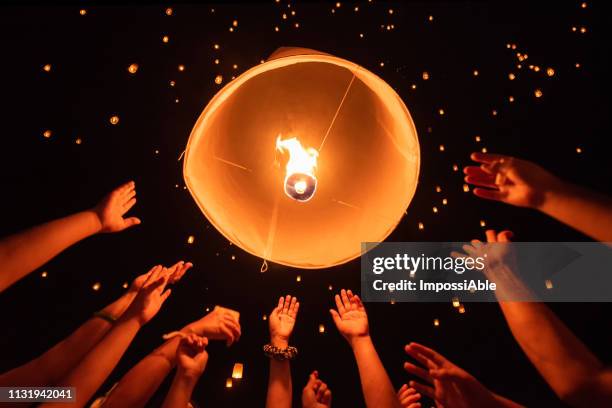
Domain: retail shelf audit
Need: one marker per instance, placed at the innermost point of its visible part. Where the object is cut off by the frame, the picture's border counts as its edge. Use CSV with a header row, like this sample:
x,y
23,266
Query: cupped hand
x,y
220,324
408,397
350,318
151,296
191,355
446,383
282,320
316,394
510,180
112,208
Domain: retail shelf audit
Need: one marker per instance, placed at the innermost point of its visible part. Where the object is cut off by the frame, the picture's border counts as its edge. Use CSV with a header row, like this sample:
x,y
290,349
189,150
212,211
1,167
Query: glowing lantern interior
x,y
350,137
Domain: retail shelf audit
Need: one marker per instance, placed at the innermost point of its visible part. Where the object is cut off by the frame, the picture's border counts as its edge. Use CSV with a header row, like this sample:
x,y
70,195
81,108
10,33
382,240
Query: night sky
x,y
565,130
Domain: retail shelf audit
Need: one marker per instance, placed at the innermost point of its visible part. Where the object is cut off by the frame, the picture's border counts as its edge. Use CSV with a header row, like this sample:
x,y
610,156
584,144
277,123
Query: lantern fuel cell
x,y
302,158
300,182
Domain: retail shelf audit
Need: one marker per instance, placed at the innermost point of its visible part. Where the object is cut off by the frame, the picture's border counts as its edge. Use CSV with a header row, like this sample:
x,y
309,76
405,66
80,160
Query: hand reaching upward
x,y
151,296
449,385
510,180
315,393
112,208
351,318
282,321
191,356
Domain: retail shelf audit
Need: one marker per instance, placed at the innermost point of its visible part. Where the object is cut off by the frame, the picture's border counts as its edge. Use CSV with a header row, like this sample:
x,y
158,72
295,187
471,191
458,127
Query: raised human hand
x,y
151,296
191,355
316,394
282,320
174,272
510,180
111,209
446,383
351,318
220,324
408,397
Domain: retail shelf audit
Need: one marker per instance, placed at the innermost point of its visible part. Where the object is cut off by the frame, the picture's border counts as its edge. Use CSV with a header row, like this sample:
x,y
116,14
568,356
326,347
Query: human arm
x,y
525,184
281,323
448,384
352,322
139,384
95,367
191,357
27,250
568,366
49,368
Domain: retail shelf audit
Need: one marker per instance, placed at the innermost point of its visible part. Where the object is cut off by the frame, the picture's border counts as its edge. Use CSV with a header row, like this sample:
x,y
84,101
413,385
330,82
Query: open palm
x,y
351,318
282,318
112,208
510,180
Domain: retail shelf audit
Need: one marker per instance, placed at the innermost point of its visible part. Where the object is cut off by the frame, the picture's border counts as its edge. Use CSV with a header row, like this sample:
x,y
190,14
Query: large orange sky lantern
x,y
302,158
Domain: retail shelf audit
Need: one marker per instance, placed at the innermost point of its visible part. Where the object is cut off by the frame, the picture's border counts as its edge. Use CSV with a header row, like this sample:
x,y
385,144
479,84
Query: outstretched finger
x,y
486,158
505,236
418,372
428,353
128,195
491,235
129,204
178,274
345,300
487,194
423,389
287,304
482,181
124,188
294,310
339,304
165,295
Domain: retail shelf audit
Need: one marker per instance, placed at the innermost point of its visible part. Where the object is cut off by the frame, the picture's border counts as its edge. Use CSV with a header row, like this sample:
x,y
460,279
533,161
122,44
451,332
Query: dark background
x,y
89,82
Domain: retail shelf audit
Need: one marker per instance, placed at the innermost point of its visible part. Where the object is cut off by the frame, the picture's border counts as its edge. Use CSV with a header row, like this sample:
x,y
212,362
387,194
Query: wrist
x,y
555,190
131,318
359,341
279,341
94,222
188,376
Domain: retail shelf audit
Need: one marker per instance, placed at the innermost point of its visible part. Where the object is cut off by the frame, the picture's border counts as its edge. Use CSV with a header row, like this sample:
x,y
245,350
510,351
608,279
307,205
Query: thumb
x,y
335,317
130,222
311,379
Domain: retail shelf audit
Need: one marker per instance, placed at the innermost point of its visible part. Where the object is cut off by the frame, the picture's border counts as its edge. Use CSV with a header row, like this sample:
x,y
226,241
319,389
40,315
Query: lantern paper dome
x,y
351,125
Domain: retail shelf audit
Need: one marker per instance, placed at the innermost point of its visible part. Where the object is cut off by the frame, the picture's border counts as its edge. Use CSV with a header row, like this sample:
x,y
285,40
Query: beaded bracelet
x,y
280,354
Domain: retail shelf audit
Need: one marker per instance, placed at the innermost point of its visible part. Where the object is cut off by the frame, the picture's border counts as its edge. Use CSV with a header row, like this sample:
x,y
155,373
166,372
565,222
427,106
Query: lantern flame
x,y
300,181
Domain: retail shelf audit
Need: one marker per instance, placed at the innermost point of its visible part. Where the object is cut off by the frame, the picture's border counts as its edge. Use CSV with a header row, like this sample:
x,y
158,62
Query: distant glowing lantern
x,y
302,158
237,371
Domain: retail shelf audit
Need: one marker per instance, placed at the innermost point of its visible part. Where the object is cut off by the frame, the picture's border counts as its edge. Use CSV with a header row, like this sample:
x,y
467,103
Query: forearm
x,y
49,368
179,394
25,251
279,383
91,372
560,357
587,211
140,383
378,391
